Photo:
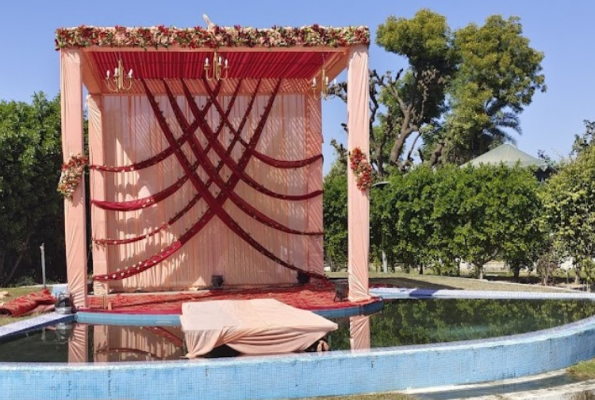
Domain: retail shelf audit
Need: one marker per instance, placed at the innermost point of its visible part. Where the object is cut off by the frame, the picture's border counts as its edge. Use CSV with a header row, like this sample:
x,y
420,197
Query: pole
x,y
42,248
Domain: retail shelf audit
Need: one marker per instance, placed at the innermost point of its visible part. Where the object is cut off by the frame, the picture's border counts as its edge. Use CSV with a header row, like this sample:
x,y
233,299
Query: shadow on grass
x,y
408,283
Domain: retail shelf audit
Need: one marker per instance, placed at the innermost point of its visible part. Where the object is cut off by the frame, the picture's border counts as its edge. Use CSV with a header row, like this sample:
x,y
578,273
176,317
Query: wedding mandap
x,y
205,155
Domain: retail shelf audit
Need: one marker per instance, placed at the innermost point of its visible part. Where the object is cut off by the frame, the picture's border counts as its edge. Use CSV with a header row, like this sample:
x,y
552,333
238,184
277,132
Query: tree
x,y
31,210
487,212
498,74
584,142
406,215
335,216
524,239
548,262
461,93
417,97
569,207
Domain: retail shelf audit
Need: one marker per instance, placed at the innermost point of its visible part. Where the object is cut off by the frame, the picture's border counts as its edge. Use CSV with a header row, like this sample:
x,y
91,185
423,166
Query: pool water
x,y
402,322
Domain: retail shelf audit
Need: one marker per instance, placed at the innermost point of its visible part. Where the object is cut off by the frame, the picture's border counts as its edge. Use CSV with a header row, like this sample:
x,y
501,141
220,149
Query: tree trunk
x,y
17,262
517,272
479,271
436,154
421,269
2,253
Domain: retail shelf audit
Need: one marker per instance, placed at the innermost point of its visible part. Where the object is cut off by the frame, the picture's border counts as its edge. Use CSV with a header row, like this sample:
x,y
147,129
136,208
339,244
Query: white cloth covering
x,y
258,326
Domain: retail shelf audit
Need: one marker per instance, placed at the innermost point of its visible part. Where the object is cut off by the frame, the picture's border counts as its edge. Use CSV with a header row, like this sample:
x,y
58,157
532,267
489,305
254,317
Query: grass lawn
x,y
585,369
14,293
414,280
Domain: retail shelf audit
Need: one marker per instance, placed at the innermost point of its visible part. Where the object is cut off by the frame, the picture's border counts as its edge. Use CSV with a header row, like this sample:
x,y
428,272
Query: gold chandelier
x,y
120,81
325,91
219,68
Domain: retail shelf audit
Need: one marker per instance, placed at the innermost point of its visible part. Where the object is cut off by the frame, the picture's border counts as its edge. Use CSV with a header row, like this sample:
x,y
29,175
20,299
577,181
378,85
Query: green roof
x,y
508,155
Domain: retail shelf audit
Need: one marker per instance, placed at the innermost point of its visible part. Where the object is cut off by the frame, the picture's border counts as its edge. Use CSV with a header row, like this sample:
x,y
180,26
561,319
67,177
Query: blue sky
x,y
563,30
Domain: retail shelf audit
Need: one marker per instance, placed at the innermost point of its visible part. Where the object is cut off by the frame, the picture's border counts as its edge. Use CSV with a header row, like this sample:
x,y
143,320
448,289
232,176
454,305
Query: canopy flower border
x,y
199,37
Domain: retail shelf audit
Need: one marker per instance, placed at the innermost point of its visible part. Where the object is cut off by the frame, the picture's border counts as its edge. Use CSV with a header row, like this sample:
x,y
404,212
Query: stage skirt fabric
x,y
259,326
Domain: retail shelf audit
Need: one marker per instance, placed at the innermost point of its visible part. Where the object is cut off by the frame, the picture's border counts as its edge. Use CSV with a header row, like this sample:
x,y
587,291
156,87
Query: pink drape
x,y
357,201
97,190
135,343
78,344
132,134
72,144
359,332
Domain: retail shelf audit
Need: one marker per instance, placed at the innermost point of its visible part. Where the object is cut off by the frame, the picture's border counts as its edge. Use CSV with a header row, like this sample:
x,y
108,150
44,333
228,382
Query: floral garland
x,y
197,37
361,169
72,174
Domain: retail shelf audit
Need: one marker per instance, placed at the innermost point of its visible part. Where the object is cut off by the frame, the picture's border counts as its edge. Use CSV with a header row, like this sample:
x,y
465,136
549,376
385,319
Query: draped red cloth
x,y
226,188
157,158
28,304
151,200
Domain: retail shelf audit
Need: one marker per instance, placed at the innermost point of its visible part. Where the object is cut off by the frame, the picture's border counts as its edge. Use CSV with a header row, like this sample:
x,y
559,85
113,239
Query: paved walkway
x,y
556,385
38,322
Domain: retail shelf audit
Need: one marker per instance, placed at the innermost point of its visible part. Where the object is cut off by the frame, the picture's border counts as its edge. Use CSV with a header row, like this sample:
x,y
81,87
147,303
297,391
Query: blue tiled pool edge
x,y
107,318
310,375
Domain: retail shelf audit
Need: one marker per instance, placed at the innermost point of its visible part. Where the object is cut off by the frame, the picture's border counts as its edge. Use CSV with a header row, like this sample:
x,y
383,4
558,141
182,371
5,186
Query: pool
x,y
400,323
359,370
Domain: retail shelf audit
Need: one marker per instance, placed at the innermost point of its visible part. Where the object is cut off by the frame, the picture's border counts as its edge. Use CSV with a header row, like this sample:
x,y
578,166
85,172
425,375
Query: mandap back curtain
x,y
191,180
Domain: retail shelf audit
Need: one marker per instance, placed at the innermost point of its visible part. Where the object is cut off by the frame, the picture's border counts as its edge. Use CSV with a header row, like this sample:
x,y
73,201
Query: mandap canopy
x,y
193,176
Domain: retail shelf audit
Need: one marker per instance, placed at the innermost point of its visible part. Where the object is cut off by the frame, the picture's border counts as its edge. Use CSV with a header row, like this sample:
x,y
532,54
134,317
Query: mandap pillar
x,y
71,92
97,190
358,204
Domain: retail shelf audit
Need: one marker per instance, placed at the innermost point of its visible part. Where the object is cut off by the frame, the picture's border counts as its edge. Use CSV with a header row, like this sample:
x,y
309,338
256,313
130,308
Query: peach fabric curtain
x,y
72,144
78,344
131,134
134,343
358,208
97,183
359,332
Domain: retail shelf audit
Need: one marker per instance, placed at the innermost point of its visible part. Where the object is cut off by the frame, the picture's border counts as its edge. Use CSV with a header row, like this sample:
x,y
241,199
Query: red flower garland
x,y
72,174
219,36
361,169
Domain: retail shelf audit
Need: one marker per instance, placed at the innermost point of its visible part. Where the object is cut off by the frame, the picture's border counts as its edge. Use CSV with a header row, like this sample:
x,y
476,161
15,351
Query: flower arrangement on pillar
x,y
361,169
72,174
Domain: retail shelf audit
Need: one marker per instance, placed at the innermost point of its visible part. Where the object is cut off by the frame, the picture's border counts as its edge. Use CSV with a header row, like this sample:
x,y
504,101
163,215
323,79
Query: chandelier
x,y
120,81
219,70
325,92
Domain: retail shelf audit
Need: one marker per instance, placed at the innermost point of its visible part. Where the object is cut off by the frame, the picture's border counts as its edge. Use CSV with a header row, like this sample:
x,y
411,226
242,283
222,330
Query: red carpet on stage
x,y
307,297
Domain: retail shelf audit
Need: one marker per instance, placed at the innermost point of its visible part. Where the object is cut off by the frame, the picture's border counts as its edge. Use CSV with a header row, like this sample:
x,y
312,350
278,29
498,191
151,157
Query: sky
x,y
562,30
